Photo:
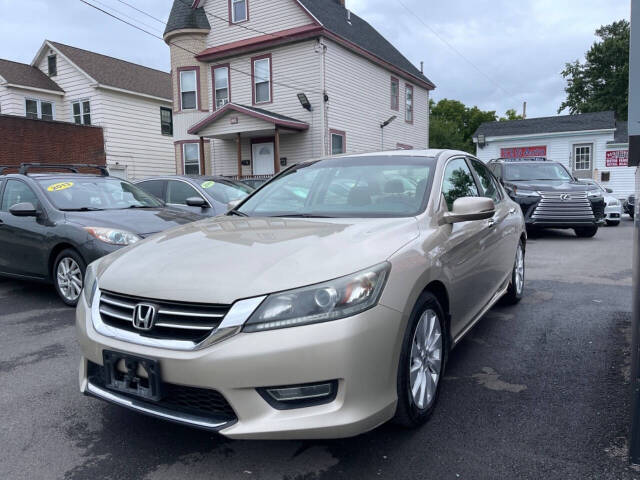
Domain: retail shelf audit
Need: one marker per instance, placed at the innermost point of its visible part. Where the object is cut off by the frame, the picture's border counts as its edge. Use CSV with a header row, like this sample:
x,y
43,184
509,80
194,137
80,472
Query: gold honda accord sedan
x,y
323,305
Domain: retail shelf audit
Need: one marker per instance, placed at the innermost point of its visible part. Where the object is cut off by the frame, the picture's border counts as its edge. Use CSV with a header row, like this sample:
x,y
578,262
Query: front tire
x,y
68,276
516,284
422,362
586,232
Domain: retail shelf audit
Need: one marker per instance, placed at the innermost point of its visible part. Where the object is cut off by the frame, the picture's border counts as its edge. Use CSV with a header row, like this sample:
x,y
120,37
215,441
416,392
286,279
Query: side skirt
x,y
487,307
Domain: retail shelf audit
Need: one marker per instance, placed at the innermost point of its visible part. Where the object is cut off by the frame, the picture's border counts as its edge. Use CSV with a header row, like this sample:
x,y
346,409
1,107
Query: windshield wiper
x,y
301,215
82,209
140,206
236,212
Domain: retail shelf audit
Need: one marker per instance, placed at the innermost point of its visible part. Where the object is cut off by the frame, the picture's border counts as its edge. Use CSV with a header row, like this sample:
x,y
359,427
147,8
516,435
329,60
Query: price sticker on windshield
x,y
56,187
208,184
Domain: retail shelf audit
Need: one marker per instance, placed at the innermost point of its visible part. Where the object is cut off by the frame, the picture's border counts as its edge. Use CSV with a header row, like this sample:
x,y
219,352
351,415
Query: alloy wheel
x,y
425,362
69,278
519,270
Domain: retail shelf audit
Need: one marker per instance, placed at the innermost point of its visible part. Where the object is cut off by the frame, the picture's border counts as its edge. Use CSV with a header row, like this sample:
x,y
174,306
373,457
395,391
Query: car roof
x,y
40,176
194,178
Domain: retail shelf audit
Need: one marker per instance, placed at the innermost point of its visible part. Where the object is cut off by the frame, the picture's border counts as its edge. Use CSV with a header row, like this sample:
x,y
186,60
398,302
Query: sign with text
x,y
617,158
524,152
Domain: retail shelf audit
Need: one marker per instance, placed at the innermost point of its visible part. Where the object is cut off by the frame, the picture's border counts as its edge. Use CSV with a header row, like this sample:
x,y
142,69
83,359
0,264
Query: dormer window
x,y
52,63
239,11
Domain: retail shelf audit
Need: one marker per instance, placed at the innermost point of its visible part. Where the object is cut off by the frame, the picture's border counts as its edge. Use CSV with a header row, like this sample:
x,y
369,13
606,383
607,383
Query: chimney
x,y
421,67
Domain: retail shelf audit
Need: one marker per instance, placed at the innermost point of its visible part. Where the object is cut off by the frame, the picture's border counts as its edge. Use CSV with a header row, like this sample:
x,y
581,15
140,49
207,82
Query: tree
x,y
602,81
511,114
452,124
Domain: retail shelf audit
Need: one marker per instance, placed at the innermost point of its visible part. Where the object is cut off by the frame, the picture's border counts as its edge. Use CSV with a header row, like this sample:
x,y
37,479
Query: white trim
x,y
34,89
309,12
499,138
39,102
270,116
184,158
185,31
255,77
130,92
81,101
49,45
196,89
246,11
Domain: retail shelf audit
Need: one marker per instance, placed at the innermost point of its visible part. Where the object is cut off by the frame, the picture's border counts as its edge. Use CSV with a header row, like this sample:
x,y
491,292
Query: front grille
x,y
553,208
178,398
174,321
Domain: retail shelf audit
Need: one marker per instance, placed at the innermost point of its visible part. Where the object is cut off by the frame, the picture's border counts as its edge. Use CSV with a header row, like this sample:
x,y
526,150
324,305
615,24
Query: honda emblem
x,y
144,316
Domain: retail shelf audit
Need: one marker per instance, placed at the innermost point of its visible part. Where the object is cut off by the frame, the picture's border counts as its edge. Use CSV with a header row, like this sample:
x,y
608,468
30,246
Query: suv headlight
x,y
613,203
322,302
525,193
594,193
113,236
90,282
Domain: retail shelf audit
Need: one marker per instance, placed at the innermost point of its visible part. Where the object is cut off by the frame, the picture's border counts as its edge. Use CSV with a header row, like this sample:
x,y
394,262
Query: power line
x,y
125,15
143,12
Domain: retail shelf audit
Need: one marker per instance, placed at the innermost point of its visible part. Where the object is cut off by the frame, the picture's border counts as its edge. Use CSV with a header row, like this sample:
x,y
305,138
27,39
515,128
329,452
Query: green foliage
x,y
602,81
452,124
511,114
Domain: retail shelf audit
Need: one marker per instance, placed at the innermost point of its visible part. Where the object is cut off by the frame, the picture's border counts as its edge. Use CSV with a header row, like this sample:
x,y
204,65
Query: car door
x,y
22,238
154,187
177,193
465,250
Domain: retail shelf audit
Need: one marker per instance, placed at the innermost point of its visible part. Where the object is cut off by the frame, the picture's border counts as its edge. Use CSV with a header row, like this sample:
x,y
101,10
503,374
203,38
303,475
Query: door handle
x,y
512,210
491,223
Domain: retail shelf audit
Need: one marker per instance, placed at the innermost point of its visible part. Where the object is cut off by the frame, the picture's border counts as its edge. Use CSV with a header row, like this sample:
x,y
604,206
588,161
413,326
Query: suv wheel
x,y
68,276
586,232
516,285
422,362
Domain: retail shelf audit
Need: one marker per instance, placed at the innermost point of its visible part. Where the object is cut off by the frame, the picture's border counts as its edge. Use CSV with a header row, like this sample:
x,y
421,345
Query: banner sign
x,y
524,152
617,158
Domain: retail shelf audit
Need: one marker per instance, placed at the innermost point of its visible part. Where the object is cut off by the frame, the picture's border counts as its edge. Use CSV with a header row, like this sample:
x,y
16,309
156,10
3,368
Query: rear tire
x,y
613,223
68,276
586,232
516,285
422,361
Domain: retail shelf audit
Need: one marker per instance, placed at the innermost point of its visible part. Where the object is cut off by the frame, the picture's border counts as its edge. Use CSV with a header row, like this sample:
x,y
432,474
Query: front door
x,y
263,158
583,160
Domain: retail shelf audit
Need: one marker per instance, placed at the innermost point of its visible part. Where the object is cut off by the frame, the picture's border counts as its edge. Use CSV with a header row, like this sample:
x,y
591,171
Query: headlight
x,y
322,302
525,193
594,193
90,283
113,236
613,203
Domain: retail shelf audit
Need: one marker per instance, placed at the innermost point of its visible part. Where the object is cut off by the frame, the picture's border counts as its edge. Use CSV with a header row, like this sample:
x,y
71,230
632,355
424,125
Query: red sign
x,y
524,152
618,158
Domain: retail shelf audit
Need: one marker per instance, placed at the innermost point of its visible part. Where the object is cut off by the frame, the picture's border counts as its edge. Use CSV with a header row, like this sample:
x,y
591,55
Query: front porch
x,y
249,140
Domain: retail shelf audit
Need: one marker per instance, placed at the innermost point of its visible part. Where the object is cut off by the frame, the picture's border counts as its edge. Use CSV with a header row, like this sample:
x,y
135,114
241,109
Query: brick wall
x,y
25,140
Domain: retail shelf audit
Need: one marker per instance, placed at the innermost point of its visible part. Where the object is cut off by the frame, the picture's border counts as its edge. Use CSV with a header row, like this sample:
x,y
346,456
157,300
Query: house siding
x,y
12,101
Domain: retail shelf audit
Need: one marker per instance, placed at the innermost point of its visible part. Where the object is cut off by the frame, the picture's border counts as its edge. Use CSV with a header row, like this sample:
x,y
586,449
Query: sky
x,y
494,54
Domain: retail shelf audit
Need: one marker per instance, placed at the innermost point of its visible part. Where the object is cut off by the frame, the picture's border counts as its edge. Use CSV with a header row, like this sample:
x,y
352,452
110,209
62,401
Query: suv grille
x,y
174,320
556,207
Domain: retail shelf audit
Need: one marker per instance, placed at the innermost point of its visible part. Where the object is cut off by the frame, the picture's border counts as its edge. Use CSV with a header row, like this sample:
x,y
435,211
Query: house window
x,y
188,92
191,156
582,157
221,86
166,121
82,112
338,142
408,102
239,10
395,94
261,73
53,65
35,108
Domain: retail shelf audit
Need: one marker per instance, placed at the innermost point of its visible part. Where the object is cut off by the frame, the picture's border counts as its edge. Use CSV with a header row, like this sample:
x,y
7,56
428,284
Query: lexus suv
x,y
550,197
324,305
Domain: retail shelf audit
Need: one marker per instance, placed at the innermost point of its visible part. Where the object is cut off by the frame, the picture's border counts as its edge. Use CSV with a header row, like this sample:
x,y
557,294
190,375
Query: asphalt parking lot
x,y
539,390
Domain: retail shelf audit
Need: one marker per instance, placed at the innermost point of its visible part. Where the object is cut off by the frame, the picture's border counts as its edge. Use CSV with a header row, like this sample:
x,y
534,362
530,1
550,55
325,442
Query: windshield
x,y
96,193
224,191
535,171
346,187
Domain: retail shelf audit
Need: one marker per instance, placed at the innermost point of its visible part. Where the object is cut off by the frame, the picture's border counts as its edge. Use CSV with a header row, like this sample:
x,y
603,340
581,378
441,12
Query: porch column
x,y
276,151
239,141
202,168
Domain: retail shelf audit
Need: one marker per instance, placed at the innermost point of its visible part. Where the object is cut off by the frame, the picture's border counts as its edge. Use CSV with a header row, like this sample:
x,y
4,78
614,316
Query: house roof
x,y
562,123
622,133
333,16
184,16
113,72
25,75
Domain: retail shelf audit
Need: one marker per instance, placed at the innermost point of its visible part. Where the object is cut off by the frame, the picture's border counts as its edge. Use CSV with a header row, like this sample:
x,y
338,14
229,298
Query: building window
x,y
395,93
221,87
191,157
188,90
338,142
53,65
582,157
261,73
35,108
166,121
82,112
239,10
408,112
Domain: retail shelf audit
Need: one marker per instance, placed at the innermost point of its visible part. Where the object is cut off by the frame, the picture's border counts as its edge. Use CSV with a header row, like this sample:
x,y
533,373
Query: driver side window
x,y
488,184
178,192
17,192
458,182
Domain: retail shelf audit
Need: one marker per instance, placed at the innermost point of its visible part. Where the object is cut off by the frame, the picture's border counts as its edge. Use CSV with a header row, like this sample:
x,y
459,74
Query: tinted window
x,y
535,171
178,192
488,185
154,187
458,182
17,192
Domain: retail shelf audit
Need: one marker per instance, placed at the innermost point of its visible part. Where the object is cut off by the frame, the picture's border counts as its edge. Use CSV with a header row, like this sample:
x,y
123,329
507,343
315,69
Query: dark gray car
x,y
53,225
206,195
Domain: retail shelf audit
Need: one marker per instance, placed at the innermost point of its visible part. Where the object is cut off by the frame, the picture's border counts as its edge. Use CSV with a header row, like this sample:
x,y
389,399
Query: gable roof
x,y
184,16
333,16
562,123
21,74
116,73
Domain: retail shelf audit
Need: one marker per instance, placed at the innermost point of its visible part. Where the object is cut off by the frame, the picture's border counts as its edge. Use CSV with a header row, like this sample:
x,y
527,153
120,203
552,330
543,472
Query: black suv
x,y
52,225
630,205
550,197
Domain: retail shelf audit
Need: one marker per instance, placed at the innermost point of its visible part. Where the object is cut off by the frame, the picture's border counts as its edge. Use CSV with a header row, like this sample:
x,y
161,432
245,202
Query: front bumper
x,y
559,219
360,352
613,213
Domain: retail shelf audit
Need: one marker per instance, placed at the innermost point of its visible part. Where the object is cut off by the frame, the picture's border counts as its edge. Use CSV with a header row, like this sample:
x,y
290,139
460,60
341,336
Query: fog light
x,y
299,396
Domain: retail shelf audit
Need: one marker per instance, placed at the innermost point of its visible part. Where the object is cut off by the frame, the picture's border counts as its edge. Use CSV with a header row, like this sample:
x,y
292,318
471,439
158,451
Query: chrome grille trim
x,y
552,208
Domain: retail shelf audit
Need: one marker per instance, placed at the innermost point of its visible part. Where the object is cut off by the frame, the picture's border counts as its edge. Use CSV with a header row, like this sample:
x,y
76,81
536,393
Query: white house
x,y
592,145
132,103
260,84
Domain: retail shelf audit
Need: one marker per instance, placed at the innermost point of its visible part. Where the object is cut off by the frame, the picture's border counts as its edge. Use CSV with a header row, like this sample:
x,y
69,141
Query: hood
x,y
224,259
141,221
551,185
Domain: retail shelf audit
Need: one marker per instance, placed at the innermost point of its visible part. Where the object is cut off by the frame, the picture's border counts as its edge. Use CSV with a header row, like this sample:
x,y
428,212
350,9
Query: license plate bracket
x,y
132,375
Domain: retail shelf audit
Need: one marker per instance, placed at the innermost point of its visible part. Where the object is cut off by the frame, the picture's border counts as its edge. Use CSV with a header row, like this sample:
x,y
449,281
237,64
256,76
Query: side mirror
x,y
609,190
25,209
233,204
197,202
467,209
